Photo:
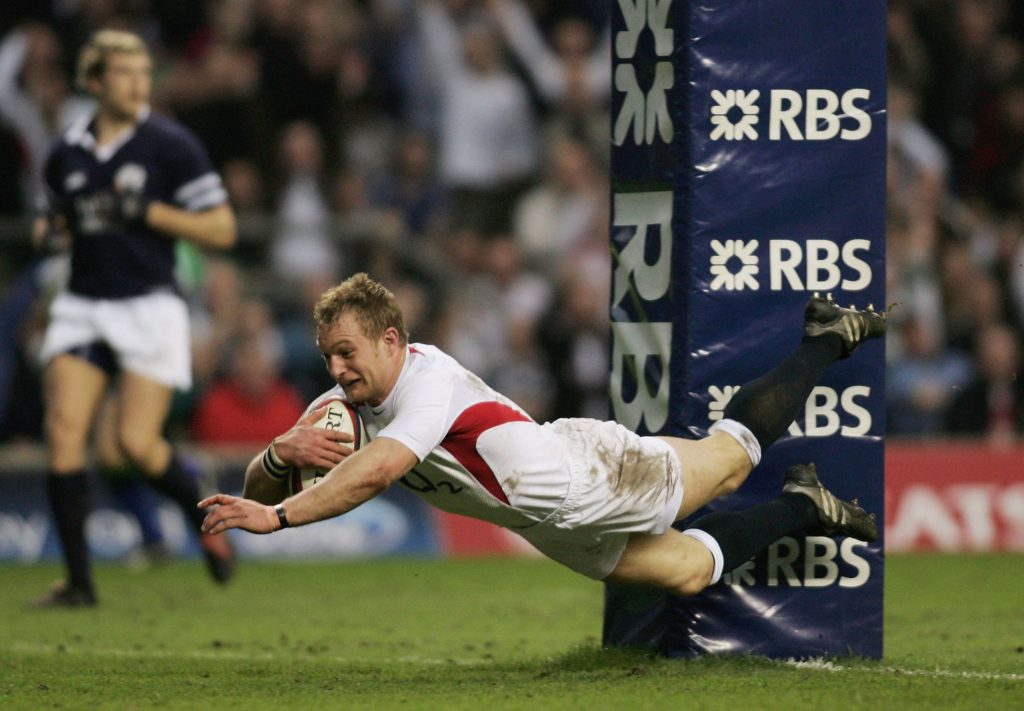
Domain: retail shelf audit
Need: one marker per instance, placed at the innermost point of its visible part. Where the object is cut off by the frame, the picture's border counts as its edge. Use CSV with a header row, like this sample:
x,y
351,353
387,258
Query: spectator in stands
x,y
992,404
574,58
965,43
552,220
489,141
918,165
921,385
913,277
410,189
213,85
298,44
301,364
909,62
36,102
574,337
521,297
215,319
304,245
348,84
571,73
252,402
363,125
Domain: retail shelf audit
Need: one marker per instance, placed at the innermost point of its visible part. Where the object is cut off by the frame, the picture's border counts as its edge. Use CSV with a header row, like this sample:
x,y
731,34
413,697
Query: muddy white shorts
x,y
149,335
620,483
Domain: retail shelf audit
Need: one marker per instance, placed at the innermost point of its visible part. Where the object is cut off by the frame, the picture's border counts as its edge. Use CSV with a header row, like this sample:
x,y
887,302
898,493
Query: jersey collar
x,y
389,401
80,134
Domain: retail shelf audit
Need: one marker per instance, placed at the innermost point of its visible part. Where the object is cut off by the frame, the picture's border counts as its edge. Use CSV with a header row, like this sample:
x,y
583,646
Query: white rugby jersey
x,y
479,453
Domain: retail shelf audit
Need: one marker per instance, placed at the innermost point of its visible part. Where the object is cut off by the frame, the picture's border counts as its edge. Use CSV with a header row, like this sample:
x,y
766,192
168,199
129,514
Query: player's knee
x,y
136,446
733,481
691,582
64,434
106,459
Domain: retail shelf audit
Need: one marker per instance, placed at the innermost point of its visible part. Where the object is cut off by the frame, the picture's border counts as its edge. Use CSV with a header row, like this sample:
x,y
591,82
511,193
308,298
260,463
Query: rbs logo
x,y
814,115
814,265
825,563
644,114
826,412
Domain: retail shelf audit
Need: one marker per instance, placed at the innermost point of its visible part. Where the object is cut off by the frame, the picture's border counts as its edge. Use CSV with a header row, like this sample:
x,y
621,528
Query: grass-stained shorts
x,y
619,483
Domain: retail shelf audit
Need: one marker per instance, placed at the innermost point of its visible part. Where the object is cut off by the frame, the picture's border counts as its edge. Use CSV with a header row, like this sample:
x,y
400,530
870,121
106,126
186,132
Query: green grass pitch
x,y
492,634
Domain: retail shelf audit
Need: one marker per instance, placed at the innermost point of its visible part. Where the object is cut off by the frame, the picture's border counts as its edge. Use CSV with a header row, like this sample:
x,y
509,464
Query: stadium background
x,y
325,120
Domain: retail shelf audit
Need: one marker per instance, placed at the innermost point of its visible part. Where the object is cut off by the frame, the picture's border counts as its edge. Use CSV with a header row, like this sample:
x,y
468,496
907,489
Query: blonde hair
x,y
374,307
92,60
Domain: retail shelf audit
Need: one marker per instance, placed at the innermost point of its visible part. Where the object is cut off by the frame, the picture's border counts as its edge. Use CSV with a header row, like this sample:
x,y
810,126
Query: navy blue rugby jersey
x,y
159,158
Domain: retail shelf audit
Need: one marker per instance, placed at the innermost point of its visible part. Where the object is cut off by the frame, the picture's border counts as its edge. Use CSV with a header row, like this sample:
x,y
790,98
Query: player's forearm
x,y
13,51
214,227
337,494
264,486
359,478
440,38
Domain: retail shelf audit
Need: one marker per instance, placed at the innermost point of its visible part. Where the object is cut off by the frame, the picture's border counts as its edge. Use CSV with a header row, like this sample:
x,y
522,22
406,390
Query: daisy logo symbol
x,y
720,397
728,253
735,114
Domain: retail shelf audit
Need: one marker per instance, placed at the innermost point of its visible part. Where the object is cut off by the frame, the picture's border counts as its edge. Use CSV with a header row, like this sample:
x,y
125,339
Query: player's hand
x,y
50,235
307,446
235,512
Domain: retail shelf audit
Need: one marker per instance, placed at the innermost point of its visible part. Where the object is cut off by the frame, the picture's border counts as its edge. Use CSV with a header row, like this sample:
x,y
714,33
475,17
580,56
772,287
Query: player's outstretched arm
x,y
359,478
354,481
304,445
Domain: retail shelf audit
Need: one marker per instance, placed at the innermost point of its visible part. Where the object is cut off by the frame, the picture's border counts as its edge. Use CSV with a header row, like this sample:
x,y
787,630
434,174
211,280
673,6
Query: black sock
x,y
133,496
178,484
768,405
69,499
743,534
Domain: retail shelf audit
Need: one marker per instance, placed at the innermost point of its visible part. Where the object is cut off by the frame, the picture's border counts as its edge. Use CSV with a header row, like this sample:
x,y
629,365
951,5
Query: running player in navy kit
x,y
123,183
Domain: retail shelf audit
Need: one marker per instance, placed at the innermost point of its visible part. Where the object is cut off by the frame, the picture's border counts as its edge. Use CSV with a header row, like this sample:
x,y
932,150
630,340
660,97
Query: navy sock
x,y
767,405
138,500
743,534
69,499
180,486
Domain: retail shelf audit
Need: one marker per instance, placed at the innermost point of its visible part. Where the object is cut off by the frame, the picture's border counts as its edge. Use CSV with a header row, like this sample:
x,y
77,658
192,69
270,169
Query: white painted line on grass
x,y
829,666
49,649
228,655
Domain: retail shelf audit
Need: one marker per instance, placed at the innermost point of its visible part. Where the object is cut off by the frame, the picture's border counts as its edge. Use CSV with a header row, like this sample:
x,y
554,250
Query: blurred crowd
x,y
956,218
458,150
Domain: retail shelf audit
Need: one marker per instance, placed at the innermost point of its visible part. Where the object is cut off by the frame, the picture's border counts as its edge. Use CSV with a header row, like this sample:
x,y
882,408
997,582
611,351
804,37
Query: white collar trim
x,y
80,135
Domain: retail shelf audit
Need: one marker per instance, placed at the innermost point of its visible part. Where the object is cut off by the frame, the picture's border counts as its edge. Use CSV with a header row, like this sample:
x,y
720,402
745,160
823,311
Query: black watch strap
x,y
281,517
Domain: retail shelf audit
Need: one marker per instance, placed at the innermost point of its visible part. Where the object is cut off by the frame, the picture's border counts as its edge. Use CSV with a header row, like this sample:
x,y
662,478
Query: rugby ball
x,y
341,415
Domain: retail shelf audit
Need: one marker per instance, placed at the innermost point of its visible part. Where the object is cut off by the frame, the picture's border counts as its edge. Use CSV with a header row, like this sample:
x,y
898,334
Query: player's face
x,y
124,87
365,368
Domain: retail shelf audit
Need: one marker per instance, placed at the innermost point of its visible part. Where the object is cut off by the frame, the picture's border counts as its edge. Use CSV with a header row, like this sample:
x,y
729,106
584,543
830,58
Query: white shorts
x,y
620,483
148,334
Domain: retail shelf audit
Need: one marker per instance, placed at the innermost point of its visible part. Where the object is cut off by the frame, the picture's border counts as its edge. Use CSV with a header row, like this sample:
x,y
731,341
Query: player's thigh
x,y
73,390
669,560
142,408
713,466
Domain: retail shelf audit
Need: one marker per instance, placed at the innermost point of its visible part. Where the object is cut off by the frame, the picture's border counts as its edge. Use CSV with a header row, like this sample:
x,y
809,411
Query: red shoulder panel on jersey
x,y
461,440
